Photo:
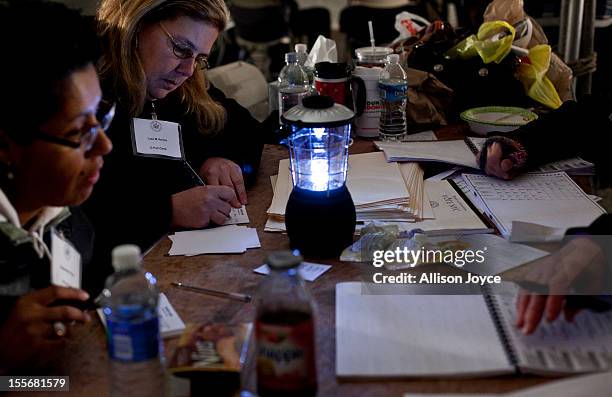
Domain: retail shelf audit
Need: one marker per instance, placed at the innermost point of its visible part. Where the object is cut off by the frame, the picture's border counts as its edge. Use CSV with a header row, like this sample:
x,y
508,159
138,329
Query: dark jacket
x,y
23,270
131,202
581,129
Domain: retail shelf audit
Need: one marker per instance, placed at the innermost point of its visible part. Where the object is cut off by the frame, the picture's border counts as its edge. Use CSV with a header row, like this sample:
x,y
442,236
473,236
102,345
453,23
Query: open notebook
x,y
408,335
549,199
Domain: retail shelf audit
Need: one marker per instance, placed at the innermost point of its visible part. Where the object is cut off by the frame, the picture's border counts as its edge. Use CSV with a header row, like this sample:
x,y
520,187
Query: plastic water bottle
x,y
293,84
393,86
134,344
302,56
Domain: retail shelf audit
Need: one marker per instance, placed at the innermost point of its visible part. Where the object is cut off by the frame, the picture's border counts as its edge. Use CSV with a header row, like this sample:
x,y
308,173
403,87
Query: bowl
x,y
497,118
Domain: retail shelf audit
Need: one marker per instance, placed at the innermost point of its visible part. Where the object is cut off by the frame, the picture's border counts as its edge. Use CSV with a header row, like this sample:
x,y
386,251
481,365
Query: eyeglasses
x,y
87,134
183,52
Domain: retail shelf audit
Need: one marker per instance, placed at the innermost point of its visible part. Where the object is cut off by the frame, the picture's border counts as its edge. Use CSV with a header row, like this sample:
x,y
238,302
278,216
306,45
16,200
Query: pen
x,y
212,292
195,175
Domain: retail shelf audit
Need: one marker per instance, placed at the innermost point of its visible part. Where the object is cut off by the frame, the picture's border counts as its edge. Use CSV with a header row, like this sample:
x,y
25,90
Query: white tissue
x,y
324,49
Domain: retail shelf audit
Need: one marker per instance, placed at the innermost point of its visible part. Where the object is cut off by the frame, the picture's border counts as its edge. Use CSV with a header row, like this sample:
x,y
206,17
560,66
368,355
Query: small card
x,y
308,271
237,216
65,263
157,138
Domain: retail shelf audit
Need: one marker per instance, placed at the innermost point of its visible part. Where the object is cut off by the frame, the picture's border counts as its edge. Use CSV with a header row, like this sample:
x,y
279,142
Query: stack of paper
x,y
451,214
220,240
380,191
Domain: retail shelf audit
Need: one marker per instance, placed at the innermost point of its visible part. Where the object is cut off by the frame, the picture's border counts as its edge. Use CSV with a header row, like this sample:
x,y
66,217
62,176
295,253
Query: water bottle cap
x,y
300,48
393,58
291,57
284,260
126,257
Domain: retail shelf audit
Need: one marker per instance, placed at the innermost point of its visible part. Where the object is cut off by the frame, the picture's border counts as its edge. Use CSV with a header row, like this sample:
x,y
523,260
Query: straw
x,y
371,36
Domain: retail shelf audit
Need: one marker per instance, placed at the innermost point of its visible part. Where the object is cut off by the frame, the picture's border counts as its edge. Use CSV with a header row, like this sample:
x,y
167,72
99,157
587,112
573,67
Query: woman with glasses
x,y
51,147
153,66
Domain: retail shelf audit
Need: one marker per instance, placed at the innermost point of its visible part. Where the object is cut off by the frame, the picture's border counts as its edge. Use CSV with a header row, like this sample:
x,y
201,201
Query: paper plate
x,y
497,118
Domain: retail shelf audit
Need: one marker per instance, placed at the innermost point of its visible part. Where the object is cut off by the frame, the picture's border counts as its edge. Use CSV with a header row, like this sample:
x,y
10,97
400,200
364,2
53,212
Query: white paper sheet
x,y
219,240
397,335
500,254
308,271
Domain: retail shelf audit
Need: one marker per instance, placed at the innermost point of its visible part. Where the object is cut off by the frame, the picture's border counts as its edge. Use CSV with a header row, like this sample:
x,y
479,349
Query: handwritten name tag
x,y
157,138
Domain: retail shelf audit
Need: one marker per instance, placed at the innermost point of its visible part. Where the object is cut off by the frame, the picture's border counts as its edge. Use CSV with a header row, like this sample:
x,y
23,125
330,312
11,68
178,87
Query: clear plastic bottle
x,y
293,84
393,87
302,55
285,332
135,347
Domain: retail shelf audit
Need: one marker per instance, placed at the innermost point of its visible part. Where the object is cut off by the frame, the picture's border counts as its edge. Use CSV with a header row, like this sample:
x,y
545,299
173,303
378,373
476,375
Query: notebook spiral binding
x,y
501,330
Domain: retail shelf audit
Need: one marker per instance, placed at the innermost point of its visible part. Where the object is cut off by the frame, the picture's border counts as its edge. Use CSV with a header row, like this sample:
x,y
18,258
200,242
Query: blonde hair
x,y
119,22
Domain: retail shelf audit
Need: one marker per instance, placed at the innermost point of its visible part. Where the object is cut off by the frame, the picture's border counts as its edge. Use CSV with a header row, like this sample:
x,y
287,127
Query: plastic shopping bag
x,y
492,43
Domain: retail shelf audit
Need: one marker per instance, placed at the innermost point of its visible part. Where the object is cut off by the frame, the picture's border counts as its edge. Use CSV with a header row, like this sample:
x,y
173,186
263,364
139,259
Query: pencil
x,y
212,292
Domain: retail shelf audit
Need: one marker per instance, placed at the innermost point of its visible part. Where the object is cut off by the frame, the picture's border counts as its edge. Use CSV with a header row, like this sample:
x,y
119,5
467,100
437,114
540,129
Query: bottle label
x,y
393,92
133,341
286,356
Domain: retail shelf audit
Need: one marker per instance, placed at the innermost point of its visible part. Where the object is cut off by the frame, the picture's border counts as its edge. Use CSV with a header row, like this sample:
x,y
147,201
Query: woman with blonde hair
x,y
155,56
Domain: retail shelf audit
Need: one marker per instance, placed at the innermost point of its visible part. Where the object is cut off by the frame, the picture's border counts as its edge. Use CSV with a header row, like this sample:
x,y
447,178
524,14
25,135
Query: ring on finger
x,y
59,329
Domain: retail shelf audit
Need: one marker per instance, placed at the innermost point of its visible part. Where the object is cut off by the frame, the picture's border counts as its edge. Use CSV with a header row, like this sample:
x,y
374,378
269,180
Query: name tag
x,y
157,138
65,263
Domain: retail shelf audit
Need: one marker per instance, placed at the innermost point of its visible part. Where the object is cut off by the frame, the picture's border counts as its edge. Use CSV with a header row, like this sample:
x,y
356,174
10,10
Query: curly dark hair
x,y
42,43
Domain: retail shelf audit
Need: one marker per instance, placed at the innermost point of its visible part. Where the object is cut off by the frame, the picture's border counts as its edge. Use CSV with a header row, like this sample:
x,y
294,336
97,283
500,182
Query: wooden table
x,y
85,358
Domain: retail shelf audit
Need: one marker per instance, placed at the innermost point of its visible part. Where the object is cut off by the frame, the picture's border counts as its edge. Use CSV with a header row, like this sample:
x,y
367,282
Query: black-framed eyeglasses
x,y
87,134
181,51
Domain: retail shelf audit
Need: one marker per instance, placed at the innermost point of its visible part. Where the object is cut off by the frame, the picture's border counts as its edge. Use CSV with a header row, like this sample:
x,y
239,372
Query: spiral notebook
x,y
402,334
457,152
462,153
537,197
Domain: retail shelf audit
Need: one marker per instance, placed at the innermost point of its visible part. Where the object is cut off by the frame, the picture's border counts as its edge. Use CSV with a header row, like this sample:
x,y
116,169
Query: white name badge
x,y
157,138
65,263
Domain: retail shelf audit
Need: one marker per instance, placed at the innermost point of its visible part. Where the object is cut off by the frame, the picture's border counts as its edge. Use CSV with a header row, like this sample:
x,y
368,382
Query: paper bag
x,y
428,97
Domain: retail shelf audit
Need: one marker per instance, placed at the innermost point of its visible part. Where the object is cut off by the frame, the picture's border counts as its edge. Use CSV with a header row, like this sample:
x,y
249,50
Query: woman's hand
x,y
220,171
579,265
199,206
495,164
502,157
28,334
